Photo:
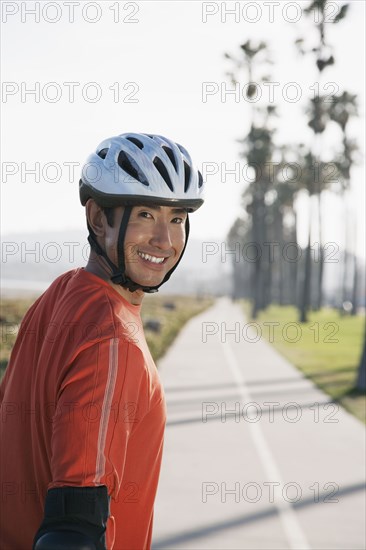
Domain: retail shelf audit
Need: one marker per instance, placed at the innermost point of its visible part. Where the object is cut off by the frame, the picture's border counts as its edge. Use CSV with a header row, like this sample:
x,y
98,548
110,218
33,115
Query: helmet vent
x,y
170,154
187,175
136,142
103,153
158,163
200,179
129,165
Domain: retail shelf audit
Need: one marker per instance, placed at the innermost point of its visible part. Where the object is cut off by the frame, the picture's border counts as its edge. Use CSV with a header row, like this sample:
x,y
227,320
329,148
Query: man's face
x,y
154,241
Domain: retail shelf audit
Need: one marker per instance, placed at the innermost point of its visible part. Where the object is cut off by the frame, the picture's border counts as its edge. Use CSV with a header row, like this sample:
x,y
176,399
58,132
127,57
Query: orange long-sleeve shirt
x,y
81,405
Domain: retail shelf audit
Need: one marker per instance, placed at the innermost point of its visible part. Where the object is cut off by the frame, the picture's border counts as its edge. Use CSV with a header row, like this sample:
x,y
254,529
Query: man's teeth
x,y
153,259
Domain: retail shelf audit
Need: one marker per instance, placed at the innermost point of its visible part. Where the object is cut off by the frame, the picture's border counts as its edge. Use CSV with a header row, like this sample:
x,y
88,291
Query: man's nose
x,y
161,236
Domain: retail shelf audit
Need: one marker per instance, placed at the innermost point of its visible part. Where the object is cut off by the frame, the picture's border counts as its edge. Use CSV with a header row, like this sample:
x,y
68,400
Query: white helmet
x,y
133,169
141,168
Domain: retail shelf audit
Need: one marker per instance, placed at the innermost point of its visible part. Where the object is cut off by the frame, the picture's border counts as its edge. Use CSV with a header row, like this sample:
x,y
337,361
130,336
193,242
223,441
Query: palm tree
x,y
318,113
257,149
341,109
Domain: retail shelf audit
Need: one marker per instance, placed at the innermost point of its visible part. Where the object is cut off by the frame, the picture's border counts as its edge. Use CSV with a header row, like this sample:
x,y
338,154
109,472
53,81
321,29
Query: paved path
x,y
255,456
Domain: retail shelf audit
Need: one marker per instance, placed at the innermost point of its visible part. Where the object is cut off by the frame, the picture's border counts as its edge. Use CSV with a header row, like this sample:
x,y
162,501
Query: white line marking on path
x,y
294,533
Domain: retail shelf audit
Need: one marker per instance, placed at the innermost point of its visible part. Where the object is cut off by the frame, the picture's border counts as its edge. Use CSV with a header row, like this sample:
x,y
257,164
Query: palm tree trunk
x,y
256,266
321,257
305,294
346,255
361,375
294,266
354,286
355,271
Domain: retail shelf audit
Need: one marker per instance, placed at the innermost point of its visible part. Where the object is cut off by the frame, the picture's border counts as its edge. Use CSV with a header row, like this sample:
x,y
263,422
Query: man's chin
x,y
148,281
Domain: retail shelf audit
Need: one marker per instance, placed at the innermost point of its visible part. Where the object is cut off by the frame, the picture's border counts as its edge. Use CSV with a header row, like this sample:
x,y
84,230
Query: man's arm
x,y
90,432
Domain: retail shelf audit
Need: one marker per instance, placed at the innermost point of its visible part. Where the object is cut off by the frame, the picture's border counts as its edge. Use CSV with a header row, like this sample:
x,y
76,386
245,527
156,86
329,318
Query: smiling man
x,y
83,408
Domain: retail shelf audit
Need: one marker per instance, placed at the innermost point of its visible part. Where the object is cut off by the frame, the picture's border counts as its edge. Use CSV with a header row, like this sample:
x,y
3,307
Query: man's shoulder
x,y
86,301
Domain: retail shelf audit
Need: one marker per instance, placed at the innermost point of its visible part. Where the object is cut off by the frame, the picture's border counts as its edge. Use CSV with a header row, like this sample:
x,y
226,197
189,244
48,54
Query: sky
x,y
104,68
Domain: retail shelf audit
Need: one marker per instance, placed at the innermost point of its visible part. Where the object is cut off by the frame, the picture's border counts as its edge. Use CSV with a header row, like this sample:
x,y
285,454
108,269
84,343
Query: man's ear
x,y
95,217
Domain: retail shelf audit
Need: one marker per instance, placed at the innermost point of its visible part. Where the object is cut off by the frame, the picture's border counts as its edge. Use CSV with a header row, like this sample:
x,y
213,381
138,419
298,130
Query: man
x,y
83,410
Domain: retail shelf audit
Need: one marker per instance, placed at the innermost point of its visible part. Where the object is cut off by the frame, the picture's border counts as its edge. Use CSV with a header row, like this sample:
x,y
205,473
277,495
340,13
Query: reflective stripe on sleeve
x,y
106,409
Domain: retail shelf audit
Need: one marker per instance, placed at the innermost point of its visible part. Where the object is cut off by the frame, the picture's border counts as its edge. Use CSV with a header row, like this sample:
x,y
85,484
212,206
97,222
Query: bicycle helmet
x,y
132,169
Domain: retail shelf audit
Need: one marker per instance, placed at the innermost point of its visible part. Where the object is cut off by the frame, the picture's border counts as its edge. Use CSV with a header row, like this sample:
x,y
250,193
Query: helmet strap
x,y
118,275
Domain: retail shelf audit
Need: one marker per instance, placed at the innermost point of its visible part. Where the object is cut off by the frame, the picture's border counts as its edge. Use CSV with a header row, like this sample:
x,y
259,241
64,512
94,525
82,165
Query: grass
x,y
12,312
153,308
328,349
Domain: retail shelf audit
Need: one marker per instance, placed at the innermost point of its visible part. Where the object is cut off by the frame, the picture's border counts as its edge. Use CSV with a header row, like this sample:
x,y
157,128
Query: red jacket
x,y
81,405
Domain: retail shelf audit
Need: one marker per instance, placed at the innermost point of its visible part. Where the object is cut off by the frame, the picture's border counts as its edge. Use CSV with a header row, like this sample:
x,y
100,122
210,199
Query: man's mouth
x,y
150,258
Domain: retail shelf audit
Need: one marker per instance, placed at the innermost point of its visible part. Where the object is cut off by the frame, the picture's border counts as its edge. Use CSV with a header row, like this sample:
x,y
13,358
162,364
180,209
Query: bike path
x,y
255,456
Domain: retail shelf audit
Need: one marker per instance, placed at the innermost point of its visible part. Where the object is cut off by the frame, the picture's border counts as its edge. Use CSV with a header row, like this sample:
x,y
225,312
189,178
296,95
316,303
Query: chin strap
x,y
119,276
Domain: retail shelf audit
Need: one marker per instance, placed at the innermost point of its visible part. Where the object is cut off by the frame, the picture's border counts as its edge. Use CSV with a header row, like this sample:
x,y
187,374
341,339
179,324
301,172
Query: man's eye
x,y
145,214
178,220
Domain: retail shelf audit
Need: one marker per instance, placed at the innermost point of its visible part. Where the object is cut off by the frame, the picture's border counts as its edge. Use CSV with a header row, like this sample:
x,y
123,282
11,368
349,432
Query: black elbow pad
x,y
64,540
78,511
